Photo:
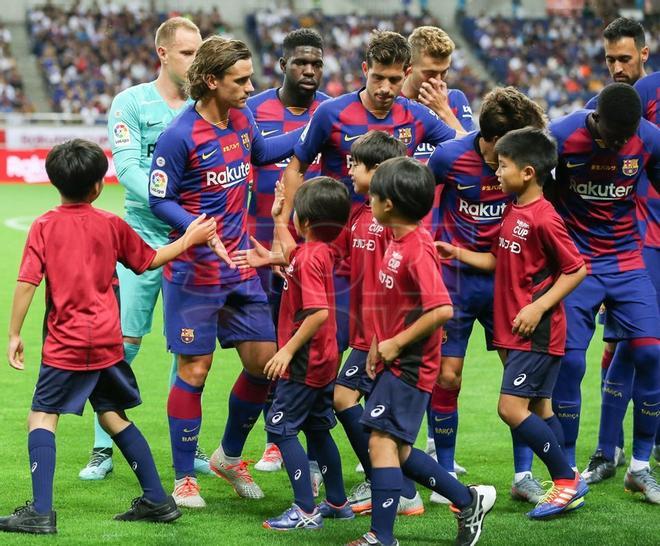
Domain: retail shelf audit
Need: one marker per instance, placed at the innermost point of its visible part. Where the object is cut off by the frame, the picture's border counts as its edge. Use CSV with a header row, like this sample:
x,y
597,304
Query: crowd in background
x,y
12,93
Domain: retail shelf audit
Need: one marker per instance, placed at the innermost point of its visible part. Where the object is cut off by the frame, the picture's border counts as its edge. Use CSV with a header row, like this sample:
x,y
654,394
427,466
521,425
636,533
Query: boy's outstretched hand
x,y
446,250
257,256
15,353
278,202
200,231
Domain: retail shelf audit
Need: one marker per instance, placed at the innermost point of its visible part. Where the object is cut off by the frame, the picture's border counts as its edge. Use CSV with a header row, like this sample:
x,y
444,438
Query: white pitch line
x,y
20,223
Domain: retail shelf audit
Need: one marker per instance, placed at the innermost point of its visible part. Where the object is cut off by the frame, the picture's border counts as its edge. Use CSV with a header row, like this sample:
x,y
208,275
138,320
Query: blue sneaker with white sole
x,y
294,518
336,512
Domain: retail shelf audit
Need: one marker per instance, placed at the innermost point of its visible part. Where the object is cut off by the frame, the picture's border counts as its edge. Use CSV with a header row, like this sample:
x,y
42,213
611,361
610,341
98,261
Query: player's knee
x,y
194,374
645,353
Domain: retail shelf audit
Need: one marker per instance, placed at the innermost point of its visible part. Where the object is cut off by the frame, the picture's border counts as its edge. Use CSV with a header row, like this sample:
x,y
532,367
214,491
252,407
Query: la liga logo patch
x,y
158,183
121,134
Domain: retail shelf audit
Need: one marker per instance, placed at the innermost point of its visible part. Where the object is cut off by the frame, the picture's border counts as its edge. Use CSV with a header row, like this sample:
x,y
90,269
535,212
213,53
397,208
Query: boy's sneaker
x,y
186,493
295,518
360,498
202,462
99,465
144,510
359,468
561,497
271,460
26,520
619,457
237,475
471,518
315,477
643,481
599,468
529,489
331,511
369,539
458,469
410,507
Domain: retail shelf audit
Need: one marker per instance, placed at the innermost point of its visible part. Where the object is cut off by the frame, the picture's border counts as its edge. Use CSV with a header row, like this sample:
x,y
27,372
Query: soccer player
x,y
338,122
364,244
82,356
602,157
410,306
306,363
536,265
202,163
137,116
472,205
278,111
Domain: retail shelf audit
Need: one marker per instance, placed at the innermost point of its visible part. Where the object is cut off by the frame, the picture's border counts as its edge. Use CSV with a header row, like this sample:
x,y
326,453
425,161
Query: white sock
x,y
636,464
520,475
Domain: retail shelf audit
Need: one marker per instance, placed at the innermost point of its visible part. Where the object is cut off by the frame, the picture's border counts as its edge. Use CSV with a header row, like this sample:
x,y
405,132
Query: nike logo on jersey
x,y
153,123
266,133
651,405
570,165
461,187
349,139
206,156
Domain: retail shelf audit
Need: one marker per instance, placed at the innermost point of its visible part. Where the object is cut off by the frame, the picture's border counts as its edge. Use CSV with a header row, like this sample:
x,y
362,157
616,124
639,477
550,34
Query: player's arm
x,y
271,150
200,231
479,260
23,295
126,145
435,95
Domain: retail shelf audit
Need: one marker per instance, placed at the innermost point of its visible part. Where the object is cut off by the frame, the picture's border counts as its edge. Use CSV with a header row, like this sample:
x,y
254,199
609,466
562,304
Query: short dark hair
x,y
532,147
301,37
375,147
406,182
623,27
74,167
325,204
388,48
504,109
619,106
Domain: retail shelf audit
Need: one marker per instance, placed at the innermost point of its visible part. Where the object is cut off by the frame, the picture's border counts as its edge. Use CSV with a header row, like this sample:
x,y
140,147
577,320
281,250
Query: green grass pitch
x,y
85,509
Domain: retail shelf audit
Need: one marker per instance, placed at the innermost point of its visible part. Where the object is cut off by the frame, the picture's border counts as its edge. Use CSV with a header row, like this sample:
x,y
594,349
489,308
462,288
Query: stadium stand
x,y
12,94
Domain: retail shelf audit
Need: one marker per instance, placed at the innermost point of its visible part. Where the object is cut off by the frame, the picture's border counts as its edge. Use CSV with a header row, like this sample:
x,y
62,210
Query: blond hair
x,y
167,30
214,57
431,41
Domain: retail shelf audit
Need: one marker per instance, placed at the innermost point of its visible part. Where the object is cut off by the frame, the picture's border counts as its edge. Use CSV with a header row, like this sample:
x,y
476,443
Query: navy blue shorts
x,y
65,391
472,297
342,310
297,407
353,374
395,407
631,302
195,316
529,374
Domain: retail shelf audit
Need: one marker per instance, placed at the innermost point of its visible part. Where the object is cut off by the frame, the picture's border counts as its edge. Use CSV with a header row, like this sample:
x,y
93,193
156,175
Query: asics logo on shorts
x,y
377,411
297,475
546,447
389,502
324,469
34,467
351,371
432,481
134,466
520,379
277,417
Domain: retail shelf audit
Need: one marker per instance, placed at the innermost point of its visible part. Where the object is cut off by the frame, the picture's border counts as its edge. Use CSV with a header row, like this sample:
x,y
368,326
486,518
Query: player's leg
x,y
581,307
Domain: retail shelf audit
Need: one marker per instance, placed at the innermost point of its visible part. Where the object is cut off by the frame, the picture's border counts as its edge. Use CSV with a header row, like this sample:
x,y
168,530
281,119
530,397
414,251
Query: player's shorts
x,y
395,407
195,316
297,407
631,302
272,285
353,374
472,297
139,293
529,374
342,310
64,391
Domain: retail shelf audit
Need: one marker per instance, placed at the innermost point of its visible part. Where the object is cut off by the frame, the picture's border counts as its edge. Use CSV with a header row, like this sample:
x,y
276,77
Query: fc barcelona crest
x,y
245,138
630,167
404,134
187,335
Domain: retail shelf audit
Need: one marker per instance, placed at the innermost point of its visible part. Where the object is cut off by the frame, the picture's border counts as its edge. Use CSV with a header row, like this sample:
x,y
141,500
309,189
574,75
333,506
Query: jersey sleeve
x,y
439,163
425,273
653,165
126,145
132,251
313,274
558,243
271,150
436,131
165,179
314,135
592,103
33,263
463,110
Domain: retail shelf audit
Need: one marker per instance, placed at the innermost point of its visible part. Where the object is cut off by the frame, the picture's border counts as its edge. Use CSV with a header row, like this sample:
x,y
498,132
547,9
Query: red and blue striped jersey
x,y
274,118
201,168
338,122
472,200
596,187
648,198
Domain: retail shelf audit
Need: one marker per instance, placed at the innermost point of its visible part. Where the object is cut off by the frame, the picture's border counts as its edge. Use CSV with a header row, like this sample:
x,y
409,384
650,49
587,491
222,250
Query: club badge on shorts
x,y
187,335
